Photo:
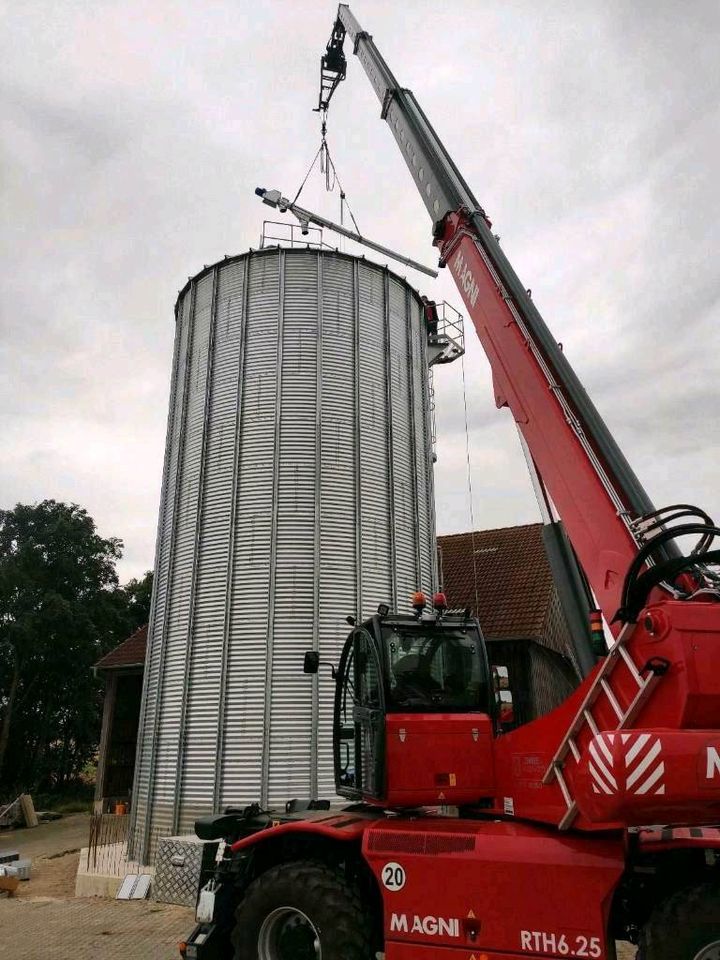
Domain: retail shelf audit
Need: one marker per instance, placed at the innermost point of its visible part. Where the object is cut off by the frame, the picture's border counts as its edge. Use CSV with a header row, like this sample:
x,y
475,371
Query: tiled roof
x,y
130,653
514,584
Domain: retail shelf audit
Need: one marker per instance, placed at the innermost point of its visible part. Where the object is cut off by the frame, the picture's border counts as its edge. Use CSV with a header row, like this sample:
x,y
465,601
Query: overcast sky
x,y
134,133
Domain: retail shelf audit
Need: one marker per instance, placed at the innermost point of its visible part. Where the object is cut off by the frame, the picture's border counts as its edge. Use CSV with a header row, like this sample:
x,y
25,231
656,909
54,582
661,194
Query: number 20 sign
x,y
393,876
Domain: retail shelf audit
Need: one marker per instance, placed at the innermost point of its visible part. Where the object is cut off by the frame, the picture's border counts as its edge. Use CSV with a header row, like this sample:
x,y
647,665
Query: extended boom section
x,y
589,480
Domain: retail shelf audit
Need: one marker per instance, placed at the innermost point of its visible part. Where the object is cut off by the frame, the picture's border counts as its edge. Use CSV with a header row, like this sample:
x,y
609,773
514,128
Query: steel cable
x,y
470,489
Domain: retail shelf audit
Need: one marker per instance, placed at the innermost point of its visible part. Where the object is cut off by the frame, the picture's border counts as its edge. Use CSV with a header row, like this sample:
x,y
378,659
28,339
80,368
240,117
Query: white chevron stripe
x,y
660,790
600,741
599,761
646,761
636,748
599,780
625,737
652,779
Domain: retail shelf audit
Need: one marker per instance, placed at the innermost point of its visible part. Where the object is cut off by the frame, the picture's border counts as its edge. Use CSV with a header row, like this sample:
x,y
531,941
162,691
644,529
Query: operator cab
x,y
414,710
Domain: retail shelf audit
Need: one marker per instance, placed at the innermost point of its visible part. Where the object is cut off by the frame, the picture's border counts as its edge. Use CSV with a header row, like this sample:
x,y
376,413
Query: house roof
x,y
130,653
509,585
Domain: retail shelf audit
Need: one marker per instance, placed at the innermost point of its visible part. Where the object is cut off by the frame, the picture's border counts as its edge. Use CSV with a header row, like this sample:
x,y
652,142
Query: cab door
x,y
369,716
359,739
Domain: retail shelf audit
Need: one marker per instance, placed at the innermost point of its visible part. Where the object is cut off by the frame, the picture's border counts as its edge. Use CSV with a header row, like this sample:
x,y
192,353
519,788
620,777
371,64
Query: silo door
x,y
368,716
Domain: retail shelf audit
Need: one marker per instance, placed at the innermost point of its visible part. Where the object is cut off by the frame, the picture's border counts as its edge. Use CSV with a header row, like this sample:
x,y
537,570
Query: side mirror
x,y
311,663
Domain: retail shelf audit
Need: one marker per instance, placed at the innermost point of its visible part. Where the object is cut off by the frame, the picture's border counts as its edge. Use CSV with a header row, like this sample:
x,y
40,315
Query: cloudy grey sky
x,y
134,133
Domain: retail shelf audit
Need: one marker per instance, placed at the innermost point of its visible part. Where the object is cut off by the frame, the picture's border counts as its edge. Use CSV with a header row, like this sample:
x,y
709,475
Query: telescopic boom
x,y
590,483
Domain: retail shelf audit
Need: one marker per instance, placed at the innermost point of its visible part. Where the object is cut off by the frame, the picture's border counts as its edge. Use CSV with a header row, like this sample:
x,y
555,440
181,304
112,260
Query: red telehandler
x,y
588,825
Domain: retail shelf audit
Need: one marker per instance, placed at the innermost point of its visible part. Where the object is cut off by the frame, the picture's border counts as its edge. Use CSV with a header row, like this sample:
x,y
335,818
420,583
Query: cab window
x,y
435,670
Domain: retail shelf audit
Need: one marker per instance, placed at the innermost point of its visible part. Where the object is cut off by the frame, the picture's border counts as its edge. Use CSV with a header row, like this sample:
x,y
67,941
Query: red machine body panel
x,y
659,839
411,951
438,758
650,776
333,826
515,889
686,697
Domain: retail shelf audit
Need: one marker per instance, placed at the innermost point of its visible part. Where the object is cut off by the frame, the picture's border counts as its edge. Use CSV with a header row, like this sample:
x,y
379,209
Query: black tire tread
x,y
679,924
351,926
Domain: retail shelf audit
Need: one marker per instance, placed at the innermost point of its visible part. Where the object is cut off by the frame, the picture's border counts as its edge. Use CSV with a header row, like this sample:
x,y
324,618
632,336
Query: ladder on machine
x,y
646,678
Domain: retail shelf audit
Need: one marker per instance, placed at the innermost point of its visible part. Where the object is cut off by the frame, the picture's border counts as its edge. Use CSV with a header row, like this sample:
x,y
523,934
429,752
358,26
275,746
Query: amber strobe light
x,y
419,602
597,634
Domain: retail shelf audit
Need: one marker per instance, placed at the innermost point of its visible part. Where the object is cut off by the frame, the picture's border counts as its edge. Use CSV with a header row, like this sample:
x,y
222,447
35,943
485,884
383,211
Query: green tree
x,y
138,594
60,610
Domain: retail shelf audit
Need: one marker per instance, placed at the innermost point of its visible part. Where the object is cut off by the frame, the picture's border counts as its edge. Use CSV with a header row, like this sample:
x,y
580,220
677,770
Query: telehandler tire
x,y
686,926
301,911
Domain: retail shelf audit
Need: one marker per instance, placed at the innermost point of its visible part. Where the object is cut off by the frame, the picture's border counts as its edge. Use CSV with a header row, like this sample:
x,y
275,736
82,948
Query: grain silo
x,y
297,490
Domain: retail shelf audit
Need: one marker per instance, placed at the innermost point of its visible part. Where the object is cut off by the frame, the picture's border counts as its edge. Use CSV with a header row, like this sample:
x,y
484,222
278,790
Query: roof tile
x,y
503,575
129,653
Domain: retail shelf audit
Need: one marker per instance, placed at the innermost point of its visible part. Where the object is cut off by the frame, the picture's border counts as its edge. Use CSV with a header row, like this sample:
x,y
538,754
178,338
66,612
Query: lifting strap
x,y
327,166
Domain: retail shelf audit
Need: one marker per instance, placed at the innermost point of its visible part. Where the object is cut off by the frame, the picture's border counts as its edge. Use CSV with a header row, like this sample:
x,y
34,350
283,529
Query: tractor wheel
x,y
301,911
685,927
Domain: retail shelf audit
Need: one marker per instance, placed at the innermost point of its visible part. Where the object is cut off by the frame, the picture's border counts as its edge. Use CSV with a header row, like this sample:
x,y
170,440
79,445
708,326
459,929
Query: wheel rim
x,y
288,934
710,952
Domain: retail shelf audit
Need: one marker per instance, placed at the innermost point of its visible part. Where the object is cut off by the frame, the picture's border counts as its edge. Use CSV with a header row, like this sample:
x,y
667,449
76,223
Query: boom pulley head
x,y
333,66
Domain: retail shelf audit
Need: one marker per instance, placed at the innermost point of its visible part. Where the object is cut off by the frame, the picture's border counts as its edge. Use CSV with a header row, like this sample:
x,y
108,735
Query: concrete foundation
x,y
103,877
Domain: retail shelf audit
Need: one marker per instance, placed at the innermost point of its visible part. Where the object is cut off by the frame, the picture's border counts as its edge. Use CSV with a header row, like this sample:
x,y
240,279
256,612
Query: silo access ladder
x,y
646,678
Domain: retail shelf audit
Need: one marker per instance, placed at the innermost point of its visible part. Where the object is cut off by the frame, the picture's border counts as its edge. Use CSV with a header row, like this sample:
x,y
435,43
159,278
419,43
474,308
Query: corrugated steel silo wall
x,y
297,489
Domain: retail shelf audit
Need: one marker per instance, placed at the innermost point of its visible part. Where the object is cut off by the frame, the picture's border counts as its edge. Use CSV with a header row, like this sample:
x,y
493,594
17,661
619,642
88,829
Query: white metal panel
x,y
249,615
372,425
422,453
337,597
289,694
177,634
405,491
199,760
144,768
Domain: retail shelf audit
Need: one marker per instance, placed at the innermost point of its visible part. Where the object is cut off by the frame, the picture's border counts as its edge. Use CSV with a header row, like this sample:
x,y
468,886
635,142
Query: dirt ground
x,y
54,849
51,877
58,836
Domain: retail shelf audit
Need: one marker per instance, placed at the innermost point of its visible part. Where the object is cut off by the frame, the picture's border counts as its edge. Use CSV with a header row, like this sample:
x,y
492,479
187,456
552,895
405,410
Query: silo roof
x,y
263,251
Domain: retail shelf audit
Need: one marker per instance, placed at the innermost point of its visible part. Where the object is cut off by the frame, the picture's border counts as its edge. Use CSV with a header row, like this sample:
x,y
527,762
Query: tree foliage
x,y
61,609
138,594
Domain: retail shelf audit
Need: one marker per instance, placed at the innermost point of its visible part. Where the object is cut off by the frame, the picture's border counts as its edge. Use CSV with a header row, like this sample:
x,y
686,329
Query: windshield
x,y
435,670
